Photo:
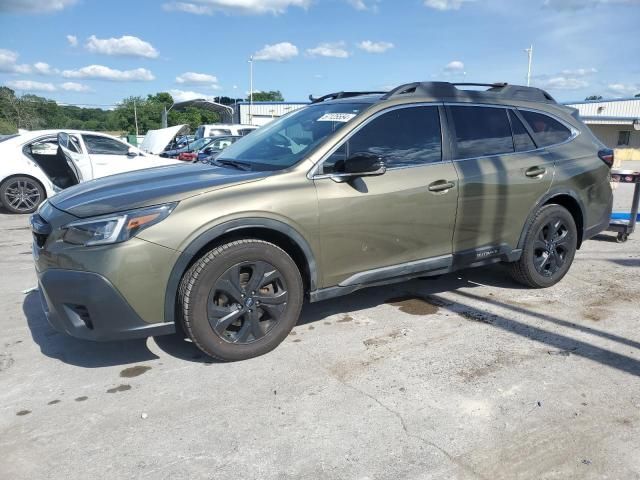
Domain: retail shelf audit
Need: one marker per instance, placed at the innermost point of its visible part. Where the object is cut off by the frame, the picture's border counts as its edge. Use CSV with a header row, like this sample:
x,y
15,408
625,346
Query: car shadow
x,y
78,352
88,354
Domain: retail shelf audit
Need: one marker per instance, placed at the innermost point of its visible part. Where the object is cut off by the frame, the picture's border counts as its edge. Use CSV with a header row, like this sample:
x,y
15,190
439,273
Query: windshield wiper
x,y
232,163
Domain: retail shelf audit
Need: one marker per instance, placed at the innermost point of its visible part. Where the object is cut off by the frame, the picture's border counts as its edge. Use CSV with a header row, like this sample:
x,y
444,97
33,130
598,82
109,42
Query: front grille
x,y
40,228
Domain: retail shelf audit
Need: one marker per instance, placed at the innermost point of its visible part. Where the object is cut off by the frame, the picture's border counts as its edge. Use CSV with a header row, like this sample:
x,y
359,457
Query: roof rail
x,y
450,91
336,95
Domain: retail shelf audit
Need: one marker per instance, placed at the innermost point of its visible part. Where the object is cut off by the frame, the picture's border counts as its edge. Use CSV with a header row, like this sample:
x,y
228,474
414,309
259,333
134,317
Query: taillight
x,y
187,156
606,155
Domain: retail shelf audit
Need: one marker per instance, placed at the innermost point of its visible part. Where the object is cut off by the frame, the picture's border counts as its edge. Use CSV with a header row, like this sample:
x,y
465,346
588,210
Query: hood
x,y
142,188
155,141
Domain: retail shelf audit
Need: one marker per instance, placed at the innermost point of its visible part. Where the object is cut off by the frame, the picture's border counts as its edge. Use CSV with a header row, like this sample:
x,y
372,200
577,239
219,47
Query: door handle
x,y
441,186
535,172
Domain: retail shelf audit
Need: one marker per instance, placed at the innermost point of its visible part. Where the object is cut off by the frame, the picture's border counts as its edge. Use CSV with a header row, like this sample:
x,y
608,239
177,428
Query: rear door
x,y
76,157
405,215
502,175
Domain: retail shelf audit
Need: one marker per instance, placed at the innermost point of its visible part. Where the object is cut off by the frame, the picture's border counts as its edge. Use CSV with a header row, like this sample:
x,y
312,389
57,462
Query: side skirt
x,y
420,268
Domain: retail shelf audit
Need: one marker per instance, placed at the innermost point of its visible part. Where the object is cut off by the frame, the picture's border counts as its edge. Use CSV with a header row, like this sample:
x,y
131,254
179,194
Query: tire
x,y
241,299
549,248
21,194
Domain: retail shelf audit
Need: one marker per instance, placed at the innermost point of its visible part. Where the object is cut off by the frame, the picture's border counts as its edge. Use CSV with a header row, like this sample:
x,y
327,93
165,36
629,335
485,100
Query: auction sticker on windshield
x,y
336,117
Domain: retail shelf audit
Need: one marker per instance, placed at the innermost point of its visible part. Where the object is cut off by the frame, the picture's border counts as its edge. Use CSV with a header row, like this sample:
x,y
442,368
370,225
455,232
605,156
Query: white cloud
x,y
364,5
198,78
8,64
42,68
34,6
106,73
246,7
335,50
126,45
8,59
624,89
374,47
31,86
73,40
184,95
456,66
579,72
445,4
74,87
562,83
278,52
573,5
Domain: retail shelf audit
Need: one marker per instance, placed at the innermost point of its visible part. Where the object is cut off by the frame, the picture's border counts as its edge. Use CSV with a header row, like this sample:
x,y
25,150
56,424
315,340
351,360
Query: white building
x,y
261,113
615,122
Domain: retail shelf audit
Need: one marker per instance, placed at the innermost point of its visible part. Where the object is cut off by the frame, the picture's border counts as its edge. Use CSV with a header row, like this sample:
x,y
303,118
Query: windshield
x,y
198,144
284,142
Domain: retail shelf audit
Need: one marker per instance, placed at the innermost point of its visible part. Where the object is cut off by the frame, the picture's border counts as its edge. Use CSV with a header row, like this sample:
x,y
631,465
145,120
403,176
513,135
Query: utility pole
x,y
530,55
135,116
251,90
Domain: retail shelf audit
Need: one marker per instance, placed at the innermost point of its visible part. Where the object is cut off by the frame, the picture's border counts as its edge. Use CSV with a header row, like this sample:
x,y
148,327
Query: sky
x,y
97,52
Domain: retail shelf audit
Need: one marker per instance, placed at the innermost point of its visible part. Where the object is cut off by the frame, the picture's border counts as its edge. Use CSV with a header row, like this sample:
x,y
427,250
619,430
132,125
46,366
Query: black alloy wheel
x,y
247,301
551,247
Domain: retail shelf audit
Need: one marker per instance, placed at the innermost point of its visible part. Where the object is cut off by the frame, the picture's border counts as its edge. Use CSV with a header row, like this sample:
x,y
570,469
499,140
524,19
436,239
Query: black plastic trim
x,y
187,256
544,199
86,305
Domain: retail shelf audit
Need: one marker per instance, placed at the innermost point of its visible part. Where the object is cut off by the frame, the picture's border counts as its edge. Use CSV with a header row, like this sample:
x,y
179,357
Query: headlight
x,y
114,228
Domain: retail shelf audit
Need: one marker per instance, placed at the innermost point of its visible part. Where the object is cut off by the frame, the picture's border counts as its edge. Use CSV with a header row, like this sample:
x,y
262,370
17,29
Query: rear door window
x,y
481,131
521,138
97,145
546,130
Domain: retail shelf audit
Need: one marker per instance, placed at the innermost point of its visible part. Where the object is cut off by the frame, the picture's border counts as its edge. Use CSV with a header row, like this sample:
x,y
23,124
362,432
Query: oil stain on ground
x,y
81,399
414,304
119,388
53,402
22,413
346,318
134,371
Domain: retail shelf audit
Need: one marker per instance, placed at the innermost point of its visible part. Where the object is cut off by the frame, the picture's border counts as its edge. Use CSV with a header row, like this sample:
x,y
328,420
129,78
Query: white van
x,y
217,129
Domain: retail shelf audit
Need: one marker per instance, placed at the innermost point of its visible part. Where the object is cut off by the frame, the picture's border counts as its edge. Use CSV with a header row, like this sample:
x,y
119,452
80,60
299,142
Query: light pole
x,y
530,55
251,90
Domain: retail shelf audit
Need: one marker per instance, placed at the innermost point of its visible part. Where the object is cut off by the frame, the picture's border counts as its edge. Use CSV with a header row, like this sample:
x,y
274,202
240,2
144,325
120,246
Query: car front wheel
x,y
241,299
549,248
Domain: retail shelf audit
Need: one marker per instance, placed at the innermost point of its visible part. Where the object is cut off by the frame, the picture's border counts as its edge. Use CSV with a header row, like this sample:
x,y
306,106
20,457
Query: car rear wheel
x,y
549,248
21,194
241,299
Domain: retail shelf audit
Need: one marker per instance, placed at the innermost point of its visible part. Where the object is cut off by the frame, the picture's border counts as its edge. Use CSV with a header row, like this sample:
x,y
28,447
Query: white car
x,y
33,167
219,129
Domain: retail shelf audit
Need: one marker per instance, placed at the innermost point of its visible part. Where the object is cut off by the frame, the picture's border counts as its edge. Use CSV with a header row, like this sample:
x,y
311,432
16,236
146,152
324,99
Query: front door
x,y
502,176
110,156
405,215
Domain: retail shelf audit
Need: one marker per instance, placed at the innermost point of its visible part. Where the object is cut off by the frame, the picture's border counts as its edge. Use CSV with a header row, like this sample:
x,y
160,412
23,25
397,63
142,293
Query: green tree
x,y
270,96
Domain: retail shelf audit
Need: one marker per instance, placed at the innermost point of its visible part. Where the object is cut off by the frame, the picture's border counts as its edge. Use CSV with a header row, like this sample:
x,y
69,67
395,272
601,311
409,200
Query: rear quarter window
x,y
546,130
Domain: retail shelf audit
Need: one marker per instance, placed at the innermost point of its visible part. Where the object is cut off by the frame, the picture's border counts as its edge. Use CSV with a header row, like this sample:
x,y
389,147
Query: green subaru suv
x,y
356,189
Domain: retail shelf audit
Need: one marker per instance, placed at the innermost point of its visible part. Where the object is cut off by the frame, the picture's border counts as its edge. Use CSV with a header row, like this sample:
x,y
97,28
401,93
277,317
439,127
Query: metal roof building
x,y
615,122
260,113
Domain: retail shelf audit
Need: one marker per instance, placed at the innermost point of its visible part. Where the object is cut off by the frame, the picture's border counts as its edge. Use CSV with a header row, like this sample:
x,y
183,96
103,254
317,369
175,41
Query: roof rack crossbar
x,y
337,95
490,85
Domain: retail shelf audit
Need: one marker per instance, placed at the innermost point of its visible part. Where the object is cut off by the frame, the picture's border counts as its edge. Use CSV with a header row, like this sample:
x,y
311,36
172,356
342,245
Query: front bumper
x,y
86,305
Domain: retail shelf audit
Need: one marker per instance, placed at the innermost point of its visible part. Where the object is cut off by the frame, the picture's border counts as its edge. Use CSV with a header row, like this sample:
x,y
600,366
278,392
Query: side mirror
x,y
132,152
361,164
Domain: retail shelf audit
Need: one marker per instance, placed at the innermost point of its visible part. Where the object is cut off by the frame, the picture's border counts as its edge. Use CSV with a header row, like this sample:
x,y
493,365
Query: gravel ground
x,y
466,376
